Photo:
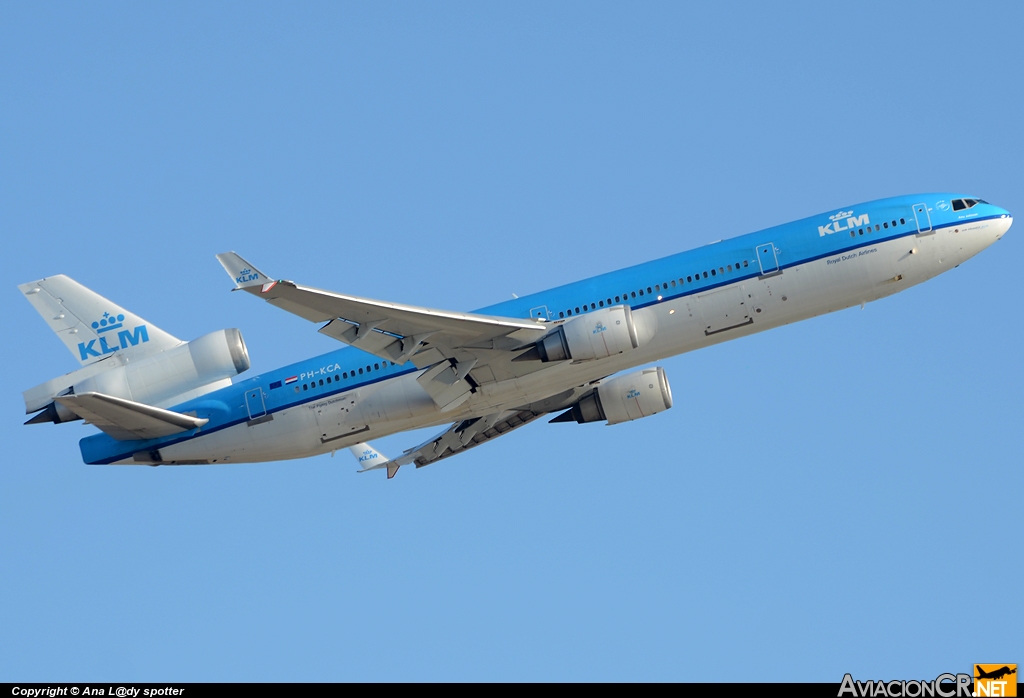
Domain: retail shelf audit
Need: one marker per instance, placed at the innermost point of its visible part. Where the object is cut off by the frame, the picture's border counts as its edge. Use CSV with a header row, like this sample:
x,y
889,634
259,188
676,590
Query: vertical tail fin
x,y
91,326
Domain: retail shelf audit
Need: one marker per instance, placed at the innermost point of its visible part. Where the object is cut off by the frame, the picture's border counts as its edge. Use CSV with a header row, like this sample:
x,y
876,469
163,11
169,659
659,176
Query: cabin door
x,y
767,259
923,218
255,404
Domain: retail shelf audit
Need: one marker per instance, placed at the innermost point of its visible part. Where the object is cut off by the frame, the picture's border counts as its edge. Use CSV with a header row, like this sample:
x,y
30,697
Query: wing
x,y
126,420
464,435
450,344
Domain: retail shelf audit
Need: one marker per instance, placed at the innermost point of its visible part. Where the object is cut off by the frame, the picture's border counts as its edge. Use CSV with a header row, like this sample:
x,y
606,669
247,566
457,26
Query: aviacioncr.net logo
x,y
943,686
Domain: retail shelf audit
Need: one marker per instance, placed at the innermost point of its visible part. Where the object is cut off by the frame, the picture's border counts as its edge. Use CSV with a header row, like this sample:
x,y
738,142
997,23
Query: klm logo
x,y
844,220
109,343
633,394
599,328
367,456
246,275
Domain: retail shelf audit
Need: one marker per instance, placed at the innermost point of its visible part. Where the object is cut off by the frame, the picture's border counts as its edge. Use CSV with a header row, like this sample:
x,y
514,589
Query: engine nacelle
x,y
597,335
624,398
161,379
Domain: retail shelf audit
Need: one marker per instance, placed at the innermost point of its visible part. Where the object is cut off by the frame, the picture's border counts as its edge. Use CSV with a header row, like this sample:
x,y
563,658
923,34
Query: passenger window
x,y
745,264
641,292
657,287
705,275
673,283
376,367
593,306
617,299
649,290
689,279
902,222
360,372
876,227
321,382
712,272
577,311
721,270
561,314
633,294
600,304
345,375
305,386
328,379
885,224
729,267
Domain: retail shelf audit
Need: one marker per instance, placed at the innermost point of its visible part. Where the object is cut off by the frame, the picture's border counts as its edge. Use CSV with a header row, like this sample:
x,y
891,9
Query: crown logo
x,y
841,215
245,271
107,323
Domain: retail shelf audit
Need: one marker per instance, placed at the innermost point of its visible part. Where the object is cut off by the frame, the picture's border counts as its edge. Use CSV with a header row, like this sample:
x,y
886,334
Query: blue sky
x,y
839,495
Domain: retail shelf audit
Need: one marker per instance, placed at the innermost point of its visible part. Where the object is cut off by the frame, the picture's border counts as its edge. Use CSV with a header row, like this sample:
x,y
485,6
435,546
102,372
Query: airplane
x,y
573,352
995,674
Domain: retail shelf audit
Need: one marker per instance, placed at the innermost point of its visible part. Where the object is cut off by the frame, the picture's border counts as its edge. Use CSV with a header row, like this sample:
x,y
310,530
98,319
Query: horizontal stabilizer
x,y
126,420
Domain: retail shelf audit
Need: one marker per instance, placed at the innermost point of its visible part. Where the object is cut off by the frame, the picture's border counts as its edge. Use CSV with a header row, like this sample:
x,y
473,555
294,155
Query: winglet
x,y
371,459
242,273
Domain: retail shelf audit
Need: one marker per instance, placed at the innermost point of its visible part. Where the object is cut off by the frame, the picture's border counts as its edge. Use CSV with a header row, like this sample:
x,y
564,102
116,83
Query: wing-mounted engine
x,y
159,379
623,399
596,335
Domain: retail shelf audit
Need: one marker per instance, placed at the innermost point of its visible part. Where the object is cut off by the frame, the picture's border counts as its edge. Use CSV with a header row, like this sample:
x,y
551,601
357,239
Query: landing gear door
x,y
923,218
340,417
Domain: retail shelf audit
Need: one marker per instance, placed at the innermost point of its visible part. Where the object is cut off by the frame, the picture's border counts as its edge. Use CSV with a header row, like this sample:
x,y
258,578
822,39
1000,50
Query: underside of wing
x,y
126,420
464,435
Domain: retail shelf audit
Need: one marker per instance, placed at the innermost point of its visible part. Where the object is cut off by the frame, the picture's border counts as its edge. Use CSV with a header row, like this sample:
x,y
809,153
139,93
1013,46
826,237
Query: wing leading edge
x,y
459,351
392,331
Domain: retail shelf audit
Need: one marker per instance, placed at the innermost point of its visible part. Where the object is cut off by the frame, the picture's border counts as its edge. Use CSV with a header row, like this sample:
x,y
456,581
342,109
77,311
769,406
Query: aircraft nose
x,y
1006,219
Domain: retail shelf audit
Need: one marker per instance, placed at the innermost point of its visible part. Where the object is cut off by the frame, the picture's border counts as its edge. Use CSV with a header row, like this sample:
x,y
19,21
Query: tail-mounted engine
x,y
159,379
623,399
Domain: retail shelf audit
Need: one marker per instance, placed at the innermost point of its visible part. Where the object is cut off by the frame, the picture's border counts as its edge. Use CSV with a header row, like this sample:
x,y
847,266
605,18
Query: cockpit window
x,y
961,204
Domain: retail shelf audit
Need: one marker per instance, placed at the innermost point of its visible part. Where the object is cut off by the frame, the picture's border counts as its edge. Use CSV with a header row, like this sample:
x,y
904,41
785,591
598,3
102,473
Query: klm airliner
x,y
562,352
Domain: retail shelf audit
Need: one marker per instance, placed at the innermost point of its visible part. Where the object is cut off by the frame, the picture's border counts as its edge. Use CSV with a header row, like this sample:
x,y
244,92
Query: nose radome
x,y
1007,221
